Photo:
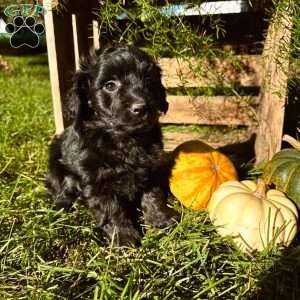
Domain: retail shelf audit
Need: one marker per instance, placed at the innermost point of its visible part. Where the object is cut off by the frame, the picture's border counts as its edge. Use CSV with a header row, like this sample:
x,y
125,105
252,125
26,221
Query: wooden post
x,y
61,58
274,89
83,34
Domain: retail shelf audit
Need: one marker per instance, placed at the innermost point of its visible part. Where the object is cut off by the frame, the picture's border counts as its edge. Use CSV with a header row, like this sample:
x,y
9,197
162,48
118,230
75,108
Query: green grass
x,y
48,254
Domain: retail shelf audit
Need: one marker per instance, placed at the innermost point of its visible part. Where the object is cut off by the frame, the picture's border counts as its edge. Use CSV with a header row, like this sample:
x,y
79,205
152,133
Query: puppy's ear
x,y
161,97
163,105
76,105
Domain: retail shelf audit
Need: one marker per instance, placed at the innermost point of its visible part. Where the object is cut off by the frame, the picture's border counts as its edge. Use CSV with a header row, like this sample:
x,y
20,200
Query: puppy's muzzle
x,y
138,109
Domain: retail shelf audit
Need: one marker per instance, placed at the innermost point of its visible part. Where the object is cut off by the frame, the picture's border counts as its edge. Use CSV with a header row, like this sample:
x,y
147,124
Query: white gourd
x,y
253,216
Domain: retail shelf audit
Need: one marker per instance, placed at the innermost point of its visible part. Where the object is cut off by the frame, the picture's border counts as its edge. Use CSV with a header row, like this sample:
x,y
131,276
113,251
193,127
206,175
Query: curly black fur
x,y
111,155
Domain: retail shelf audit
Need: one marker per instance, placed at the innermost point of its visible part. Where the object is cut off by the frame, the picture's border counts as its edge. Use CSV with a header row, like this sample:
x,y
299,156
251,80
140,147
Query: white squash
x,y
253,217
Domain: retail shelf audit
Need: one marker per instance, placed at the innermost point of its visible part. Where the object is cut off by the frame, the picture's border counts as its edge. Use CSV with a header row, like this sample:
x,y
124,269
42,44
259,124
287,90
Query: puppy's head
x,y
120,88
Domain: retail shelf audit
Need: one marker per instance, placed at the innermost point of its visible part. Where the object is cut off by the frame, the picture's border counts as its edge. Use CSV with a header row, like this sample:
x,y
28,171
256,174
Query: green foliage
x,y
143,23
156,32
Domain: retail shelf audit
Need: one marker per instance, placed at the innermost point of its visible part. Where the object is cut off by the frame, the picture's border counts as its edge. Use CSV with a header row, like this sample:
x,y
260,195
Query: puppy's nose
x,y
138,109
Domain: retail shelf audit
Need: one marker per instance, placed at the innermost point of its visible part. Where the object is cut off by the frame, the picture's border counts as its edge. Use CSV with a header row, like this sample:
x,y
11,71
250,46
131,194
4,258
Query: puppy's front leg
x,y
63,191
114,220
155,209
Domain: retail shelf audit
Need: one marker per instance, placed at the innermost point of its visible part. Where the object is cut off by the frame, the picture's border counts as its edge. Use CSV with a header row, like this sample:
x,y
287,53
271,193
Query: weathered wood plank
x,y
173,139
274,89
218,110
216,139
245,70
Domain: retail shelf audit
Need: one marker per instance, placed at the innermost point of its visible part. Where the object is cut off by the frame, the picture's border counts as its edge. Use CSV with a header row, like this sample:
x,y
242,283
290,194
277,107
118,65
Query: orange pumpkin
x,y
197,172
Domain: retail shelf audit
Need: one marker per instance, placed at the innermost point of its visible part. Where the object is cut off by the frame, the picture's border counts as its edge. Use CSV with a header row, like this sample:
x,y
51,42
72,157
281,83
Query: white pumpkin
x,y
253,217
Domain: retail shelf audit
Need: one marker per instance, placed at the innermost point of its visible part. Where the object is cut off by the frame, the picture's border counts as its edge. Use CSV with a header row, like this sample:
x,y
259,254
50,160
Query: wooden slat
x,y
173,139
219,110
274,89
216,139
96,35
244,70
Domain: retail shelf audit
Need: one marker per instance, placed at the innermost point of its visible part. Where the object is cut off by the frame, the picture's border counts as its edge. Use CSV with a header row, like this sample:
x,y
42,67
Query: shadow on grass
x,y
41,59
282,280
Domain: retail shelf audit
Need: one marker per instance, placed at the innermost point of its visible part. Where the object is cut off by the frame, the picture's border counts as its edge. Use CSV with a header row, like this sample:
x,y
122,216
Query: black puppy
x,y
111,155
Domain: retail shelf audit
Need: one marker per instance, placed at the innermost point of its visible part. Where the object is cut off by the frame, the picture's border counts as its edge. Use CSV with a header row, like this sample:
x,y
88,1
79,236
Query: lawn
x,y
49,254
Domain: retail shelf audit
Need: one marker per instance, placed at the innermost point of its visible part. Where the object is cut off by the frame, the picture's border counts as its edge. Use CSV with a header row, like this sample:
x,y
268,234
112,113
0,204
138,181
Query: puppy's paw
x,y
123,235
131,238
164,218
63,203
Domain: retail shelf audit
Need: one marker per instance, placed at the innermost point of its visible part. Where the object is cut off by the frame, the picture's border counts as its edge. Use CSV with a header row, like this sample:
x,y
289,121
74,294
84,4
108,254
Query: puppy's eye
x,y
110,86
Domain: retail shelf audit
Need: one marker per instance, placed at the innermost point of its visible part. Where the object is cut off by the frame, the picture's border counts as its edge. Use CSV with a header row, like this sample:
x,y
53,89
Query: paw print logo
x,y
25,32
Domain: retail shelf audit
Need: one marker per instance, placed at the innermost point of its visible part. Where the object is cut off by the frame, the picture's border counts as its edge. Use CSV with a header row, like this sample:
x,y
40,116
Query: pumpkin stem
x,y
293,142
260,191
